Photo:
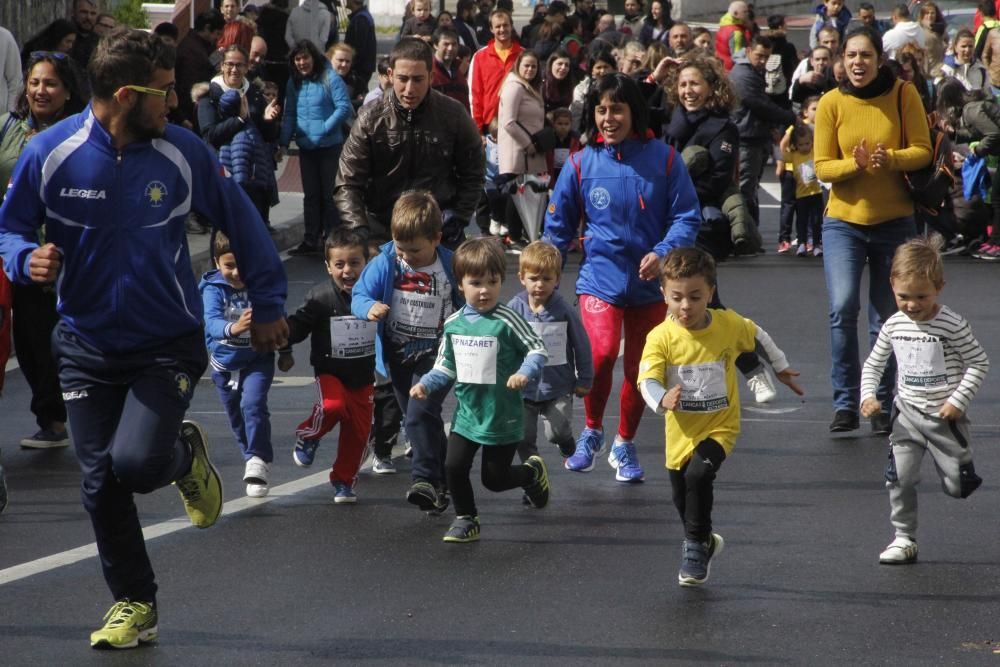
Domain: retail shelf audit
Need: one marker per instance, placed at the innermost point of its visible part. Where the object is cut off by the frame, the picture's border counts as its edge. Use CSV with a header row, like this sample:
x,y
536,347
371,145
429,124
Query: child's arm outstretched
x,y
785,373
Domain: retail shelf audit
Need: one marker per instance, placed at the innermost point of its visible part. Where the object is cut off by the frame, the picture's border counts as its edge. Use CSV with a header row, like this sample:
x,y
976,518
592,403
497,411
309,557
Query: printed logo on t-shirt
x,y
920,360
419,304
703,386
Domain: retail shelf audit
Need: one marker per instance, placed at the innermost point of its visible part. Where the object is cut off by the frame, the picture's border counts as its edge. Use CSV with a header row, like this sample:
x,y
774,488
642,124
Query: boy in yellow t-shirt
x,y
688,371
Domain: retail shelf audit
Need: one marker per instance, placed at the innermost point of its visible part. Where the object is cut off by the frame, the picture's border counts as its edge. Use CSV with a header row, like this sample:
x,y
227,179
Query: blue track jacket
x,y
126,281
635,197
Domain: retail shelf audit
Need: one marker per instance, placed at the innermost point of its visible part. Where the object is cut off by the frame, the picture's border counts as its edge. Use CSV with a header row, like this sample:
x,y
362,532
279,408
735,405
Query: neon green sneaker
x,y
201,488
125,625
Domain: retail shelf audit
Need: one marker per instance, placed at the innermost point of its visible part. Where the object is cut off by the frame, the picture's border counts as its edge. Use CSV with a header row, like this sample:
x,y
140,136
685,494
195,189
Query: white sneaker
x,y
762,387
903,550
257,490
256,471
383,466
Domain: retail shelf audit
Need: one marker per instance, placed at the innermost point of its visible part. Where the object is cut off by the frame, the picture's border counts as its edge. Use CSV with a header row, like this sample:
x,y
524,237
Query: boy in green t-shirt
x,y
491,353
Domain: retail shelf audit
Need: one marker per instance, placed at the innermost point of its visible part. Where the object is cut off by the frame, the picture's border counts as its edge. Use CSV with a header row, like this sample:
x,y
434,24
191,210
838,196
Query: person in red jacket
x,y
734,33
490,67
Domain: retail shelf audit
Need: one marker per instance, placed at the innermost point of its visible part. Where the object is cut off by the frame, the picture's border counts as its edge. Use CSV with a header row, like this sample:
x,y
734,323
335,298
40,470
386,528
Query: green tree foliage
x,y
130,13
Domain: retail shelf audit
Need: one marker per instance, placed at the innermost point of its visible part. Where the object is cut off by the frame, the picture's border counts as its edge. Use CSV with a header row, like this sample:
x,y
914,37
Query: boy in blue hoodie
x,y
241,375
831,13
410,290
569,370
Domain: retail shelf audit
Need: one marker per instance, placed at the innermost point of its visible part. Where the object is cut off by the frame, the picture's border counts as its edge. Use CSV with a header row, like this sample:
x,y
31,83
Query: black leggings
x,y
692,489
497,472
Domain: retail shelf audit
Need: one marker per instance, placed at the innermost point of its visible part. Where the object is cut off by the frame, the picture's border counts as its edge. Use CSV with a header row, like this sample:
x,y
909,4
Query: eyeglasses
x,y
58,55
233,65
164,92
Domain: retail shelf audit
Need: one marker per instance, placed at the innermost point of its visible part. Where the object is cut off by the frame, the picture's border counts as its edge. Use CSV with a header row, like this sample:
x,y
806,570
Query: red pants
x,y
352,409
603,323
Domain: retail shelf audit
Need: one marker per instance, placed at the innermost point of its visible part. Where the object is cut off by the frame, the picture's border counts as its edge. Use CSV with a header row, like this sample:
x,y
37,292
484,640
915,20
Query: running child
x,y
569,370
491,354
940,367
409,289
241,375
808,193
343,360
688,372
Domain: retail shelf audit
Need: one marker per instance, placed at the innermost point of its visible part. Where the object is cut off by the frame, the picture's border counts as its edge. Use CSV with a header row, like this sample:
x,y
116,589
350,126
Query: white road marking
x,y
12,365
772,411
48,563
773,189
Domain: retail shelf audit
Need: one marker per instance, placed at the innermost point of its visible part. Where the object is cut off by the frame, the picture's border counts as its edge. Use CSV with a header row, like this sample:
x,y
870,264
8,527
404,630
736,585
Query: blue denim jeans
x,y
846,249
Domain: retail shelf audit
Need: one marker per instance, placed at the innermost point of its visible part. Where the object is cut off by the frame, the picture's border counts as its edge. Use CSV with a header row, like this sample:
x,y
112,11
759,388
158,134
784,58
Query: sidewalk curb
x,y
287,234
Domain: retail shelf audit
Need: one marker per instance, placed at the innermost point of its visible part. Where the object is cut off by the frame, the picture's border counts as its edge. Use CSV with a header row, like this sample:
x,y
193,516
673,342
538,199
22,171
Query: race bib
x,y
921,363
553,334
415,314
475,358
559,157
233,314
703,386
808,172
351,338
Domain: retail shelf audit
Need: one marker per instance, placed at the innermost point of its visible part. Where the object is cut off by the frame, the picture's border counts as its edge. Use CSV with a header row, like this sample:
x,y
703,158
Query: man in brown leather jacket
x,y
413,138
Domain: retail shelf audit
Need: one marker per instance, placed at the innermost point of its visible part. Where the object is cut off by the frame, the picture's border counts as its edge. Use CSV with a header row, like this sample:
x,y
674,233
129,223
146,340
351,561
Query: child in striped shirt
x,y
940,366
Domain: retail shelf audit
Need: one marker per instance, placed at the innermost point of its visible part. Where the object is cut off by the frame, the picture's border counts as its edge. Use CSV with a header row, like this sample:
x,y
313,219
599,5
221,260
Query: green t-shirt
x,y
480,356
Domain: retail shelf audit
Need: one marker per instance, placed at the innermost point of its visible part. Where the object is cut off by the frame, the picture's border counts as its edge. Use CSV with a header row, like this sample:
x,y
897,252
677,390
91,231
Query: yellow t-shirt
x,y
806,183
703,362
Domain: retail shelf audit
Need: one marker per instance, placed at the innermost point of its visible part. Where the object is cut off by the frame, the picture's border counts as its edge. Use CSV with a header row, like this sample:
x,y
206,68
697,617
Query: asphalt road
x,y
591,579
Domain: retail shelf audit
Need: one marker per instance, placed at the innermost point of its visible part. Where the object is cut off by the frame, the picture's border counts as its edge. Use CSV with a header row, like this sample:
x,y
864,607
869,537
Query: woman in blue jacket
x,y
316,106
637,202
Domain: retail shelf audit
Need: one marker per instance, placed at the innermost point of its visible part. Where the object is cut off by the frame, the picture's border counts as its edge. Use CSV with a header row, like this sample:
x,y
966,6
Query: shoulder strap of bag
x,y
6,126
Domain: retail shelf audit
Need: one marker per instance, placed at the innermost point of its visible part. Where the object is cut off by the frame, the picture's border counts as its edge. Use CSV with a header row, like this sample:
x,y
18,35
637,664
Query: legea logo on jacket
x,y
80,193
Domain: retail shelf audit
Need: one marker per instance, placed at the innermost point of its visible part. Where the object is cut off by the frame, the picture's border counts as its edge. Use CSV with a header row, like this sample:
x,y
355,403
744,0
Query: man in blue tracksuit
x,y
113,186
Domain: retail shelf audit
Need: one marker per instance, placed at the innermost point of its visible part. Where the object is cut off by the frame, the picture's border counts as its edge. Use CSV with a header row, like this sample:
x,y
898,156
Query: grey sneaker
x,y
383,466
427,497
696,560
46,438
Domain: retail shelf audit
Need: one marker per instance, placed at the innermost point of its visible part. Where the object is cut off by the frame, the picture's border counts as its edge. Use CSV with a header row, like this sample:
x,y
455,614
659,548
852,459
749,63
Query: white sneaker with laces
x,y
494,228
255,475
902,551
762,387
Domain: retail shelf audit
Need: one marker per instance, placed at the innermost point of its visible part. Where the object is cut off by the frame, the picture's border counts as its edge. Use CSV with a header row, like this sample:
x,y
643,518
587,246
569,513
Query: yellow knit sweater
x,y
870,196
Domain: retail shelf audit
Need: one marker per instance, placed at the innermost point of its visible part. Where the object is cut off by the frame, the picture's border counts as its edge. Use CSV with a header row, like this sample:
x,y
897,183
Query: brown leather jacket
x,y
435,147
991,55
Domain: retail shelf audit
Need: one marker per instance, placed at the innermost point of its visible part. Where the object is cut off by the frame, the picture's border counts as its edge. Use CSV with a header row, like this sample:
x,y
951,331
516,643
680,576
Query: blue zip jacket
x,y
315,112
126,281
223,306
376,284
635,197
578,371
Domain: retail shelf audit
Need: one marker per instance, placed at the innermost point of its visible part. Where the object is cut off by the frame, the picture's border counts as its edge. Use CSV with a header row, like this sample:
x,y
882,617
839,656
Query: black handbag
x,y
544,140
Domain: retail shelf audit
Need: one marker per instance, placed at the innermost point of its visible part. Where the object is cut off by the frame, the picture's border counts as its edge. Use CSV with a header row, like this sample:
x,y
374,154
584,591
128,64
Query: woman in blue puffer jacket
x,y
316,105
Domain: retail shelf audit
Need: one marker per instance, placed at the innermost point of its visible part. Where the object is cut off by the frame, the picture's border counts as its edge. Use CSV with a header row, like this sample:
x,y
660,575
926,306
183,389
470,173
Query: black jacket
x,y
718,135
800,91
756,114
218,131
324,301
435,147
361,35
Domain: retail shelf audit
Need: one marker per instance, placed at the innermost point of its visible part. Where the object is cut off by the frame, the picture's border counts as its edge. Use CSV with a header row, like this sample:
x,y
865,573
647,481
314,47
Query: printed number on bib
x,y
921,363
475,358
416,315
553,334
703,386
351,338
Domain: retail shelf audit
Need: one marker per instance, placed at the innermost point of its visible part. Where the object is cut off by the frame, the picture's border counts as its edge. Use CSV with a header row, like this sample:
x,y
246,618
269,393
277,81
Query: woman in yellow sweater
x,y
862,147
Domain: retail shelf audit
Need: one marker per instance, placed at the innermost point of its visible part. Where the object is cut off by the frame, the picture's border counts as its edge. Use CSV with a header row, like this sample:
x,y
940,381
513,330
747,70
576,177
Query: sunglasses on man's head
x,y
58,55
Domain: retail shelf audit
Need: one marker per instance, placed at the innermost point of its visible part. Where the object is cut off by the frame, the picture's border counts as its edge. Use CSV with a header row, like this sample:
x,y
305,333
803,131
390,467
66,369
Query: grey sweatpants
x,y
558,430
913,434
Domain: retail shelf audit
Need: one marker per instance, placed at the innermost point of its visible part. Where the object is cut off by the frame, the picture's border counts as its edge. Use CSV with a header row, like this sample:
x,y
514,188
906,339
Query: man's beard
x,y
140,130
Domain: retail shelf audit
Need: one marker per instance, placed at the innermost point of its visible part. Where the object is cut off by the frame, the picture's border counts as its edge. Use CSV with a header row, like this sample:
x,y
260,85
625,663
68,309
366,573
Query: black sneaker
x,y
304,249
696,560
428,498
463,529
881,425
844,420
538,490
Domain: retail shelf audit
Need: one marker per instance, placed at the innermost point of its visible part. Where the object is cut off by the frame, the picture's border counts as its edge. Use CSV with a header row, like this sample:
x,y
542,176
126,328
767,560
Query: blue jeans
x,y
244,396
846,249
422,421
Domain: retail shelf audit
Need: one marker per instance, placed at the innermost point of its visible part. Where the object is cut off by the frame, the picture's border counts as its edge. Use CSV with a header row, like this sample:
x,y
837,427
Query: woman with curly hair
x,y
708,141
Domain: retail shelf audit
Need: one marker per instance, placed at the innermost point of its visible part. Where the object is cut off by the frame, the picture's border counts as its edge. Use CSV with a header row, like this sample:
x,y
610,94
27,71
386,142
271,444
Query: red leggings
x,y
352,409
603,323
